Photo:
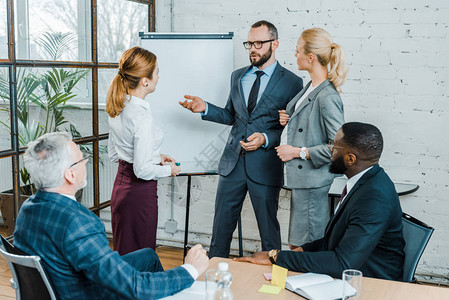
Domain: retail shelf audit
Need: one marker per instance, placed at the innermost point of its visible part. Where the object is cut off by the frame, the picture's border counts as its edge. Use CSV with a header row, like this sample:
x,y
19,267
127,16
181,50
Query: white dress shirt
x,y
70,196
250,77
135,138
247,84
192,270
350,184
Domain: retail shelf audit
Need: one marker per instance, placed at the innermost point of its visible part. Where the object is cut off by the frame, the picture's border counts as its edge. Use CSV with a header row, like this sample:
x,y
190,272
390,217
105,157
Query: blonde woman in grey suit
x,y
311,120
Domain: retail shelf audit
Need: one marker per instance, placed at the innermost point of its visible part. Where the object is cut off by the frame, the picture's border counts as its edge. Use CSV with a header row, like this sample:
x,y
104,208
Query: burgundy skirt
x,y
134,211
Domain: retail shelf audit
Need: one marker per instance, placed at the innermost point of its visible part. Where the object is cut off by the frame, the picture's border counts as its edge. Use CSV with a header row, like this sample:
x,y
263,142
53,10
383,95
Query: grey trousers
x,y
309,214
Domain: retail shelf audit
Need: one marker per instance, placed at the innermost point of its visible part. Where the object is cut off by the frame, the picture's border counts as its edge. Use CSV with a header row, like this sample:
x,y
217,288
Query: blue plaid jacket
x,y
72,243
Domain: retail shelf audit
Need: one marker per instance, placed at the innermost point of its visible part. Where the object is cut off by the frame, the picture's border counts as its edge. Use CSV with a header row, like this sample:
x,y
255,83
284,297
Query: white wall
x,y
398,80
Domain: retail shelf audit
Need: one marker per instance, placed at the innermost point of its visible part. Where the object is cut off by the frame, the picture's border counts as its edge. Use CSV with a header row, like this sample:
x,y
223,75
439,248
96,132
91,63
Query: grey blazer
x,y
262,165
313,124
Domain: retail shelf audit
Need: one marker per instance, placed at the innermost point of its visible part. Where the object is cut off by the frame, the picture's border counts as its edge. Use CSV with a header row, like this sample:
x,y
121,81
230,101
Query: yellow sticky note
x,y
270,289
278,276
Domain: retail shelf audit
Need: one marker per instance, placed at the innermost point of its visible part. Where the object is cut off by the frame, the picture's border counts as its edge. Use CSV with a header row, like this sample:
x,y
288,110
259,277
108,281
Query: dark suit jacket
x,y
365,234
262,165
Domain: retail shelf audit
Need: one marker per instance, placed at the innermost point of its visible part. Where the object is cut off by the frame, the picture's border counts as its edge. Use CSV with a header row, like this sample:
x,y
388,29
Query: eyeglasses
x,y
85,157
256,44
331,147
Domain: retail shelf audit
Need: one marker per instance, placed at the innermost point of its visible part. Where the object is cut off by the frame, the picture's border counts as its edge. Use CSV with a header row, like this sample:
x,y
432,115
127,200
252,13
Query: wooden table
x,y
248,278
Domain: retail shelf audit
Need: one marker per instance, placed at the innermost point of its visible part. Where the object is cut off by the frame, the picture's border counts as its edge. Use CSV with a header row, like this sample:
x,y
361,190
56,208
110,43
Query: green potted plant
x,y
49,93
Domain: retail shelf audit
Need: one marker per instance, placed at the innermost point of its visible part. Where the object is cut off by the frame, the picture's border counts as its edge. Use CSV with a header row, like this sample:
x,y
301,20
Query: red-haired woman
x,y
134,142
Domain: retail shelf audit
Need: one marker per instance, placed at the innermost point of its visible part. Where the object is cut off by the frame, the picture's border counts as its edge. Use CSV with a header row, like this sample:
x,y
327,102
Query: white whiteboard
x,y
193,64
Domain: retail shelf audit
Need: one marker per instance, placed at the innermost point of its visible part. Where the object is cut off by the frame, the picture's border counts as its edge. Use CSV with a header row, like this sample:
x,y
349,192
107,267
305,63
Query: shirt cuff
x,y
192,270
266,140
167,170
205,112
163,171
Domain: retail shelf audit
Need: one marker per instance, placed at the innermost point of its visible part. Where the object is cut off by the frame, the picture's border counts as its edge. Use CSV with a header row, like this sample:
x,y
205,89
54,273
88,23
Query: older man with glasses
x,y
72,242
249,161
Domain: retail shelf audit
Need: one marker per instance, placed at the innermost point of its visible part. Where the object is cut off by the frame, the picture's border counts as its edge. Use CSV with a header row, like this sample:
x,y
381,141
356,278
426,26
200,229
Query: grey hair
x,y
47,158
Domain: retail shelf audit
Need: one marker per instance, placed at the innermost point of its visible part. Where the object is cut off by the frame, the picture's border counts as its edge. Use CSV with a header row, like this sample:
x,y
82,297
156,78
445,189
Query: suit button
x,y
300,129
243,137
249,122
299,167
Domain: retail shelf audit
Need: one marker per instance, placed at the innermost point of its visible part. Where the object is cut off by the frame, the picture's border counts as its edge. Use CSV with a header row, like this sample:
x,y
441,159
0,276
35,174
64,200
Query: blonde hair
x,y
319,42
135,63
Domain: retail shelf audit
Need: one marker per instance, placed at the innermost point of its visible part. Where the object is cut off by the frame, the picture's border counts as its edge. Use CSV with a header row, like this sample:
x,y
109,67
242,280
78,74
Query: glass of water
x,y
352,284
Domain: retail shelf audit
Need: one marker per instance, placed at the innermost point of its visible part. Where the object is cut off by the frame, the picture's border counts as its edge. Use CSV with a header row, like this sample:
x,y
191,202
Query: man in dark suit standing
x,y
365,232
71,240
249,161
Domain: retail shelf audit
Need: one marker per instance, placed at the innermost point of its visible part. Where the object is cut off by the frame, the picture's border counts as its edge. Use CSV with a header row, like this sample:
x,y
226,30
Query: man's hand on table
x,y
260,258
197,257
296,248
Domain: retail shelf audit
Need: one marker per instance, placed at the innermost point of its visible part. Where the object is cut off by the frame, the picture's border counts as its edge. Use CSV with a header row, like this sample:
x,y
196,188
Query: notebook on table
x,y
318,286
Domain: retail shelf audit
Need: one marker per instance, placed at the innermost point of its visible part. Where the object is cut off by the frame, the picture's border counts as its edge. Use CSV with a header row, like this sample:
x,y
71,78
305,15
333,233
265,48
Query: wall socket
x,y
171,226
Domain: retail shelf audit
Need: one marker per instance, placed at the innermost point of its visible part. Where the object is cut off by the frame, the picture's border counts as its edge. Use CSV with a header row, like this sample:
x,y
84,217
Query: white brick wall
x,y
398,54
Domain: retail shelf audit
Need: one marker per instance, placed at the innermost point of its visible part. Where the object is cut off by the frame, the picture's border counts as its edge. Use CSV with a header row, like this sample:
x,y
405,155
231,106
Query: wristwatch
x,y
303,153
272,255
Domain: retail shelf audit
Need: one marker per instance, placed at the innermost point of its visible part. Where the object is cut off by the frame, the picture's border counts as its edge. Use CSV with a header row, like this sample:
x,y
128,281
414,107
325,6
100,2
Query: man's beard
x,y
263,59
338,166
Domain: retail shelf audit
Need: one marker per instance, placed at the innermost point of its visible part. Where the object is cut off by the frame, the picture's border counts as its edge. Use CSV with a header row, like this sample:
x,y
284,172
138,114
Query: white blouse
x,y
135,138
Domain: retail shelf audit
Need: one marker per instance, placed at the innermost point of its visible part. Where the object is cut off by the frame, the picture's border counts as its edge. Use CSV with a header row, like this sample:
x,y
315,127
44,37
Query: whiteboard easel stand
x,y
186,225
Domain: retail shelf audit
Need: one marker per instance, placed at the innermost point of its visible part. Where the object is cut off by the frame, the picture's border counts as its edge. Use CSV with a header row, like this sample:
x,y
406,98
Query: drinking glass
x,y
211,283
352,284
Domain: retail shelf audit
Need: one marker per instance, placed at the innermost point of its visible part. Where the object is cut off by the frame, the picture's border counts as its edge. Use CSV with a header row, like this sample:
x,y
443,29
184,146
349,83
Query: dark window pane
x,y
3,31
105,77
53,30
53,99
86,196
107,170
119,23
5,130
6,197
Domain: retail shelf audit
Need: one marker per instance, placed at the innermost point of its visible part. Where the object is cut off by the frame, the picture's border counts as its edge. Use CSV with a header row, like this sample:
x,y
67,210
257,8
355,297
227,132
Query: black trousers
x,y
231,193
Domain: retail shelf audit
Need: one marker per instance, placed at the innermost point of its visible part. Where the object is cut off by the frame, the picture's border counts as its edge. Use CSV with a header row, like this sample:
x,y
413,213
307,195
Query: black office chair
x,y
416,235
29,278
